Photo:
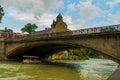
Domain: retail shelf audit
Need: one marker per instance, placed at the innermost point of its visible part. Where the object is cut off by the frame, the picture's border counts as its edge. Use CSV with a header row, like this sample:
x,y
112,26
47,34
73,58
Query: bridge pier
x,y
2,49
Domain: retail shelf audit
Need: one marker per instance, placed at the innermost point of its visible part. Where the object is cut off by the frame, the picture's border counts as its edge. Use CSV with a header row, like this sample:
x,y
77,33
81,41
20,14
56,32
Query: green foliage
x,y
29,28
57,58
76,52
90,53
75,57
1,13
82,53
64,58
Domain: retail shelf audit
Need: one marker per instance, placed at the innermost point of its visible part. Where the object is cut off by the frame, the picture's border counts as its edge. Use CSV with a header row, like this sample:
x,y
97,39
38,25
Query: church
x,y
57,26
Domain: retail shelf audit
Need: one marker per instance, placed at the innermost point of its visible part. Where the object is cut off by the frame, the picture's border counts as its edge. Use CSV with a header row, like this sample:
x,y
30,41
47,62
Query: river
x,y
93,69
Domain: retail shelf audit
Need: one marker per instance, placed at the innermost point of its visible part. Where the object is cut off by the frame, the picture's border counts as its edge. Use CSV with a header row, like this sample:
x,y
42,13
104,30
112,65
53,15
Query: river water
x,y
93,69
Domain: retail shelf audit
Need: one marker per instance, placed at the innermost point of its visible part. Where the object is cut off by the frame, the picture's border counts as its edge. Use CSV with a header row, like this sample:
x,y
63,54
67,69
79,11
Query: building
x,y
16,35
8,33
57,26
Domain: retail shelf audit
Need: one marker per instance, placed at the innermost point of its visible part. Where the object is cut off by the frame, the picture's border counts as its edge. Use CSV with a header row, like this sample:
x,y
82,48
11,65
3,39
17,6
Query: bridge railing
x,y
52,34
111,28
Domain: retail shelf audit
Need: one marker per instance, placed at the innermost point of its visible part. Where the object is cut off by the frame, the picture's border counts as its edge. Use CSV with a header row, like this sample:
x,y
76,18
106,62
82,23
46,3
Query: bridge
x,y
104,40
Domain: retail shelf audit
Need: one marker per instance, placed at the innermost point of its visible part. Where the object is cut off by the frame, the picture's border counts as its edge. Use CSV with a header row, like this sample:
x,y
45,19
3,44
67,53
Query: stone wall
x,y
2,49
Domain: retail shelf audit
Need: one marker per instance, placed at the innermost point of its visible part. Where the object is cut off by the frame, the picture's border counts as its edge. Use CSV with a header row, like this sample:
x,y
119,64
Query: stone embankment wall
x,y
2,49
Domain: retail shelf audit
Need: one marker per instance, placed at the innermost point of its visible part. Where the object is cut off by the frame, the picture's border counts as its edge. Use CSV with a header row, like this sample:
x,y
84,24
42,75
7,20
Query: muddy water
x,y
93,69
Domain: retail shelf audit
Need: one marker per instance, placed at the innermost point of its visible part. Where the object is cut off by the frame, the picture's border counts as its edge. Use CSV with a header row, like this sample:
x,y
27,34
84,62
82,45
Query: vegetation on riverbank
x,y
74,54
82,53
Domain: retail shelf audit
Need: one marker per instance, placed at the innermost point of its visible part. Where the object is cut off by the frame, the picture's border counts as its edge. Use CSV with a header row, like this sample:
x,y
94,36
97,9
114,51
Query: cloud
x,y
89,11
36,7
71,7
75,25
42,12
22,16
45,20
33,11
115,18
113,3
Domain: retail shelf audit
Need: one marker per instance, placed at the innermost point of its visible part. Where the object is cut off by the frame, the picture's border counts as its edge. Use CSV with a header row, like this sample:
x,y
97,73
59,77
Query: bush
x,y
75,58
57,59
82,53
76,52
64,58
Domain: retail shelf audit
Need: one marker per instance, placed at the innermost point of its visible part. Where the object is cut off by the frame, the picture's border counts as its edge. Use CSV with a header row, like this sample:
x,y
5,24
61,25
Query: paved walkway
x,y
115,75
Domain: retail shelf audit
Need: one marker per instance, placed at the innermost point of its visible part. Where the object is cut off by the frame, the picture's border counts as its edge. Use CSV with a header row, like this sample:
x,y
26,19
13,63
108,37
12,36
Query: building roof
x,y
59,15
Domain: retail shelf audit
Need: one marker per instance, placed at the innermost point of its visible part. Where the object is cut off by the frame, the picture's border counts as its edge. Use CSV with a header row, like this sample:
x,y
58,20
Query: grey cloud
x,y
90,11
36,7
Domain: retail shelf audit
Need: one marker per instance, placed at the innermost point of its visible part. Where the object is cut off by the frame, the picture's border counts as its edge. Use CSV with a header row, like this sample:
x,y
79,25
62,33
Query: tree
x,y
1,13
83,53
29,28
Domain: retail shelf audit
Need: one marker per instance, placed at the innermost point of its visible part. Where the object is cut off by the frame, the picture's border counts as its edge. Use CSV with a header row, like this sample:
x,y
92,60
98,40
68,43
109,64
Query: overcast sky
x,y
76,13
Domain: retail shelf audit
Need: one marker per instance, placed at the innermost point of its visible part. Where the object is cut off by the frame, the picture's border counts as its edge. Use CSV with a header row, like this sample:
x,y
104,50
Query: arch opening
x,y
46,50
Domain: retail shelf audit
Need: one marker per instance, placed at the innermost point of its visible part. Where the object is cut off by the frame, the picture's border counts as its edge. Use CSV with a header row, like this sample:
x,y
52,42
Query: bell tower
x,y
59,18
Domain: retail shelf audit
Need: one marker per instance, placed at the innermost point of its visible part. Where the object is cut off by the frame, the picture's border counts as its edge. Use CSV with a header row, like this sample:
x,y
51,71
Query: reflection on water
x,y
93,69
